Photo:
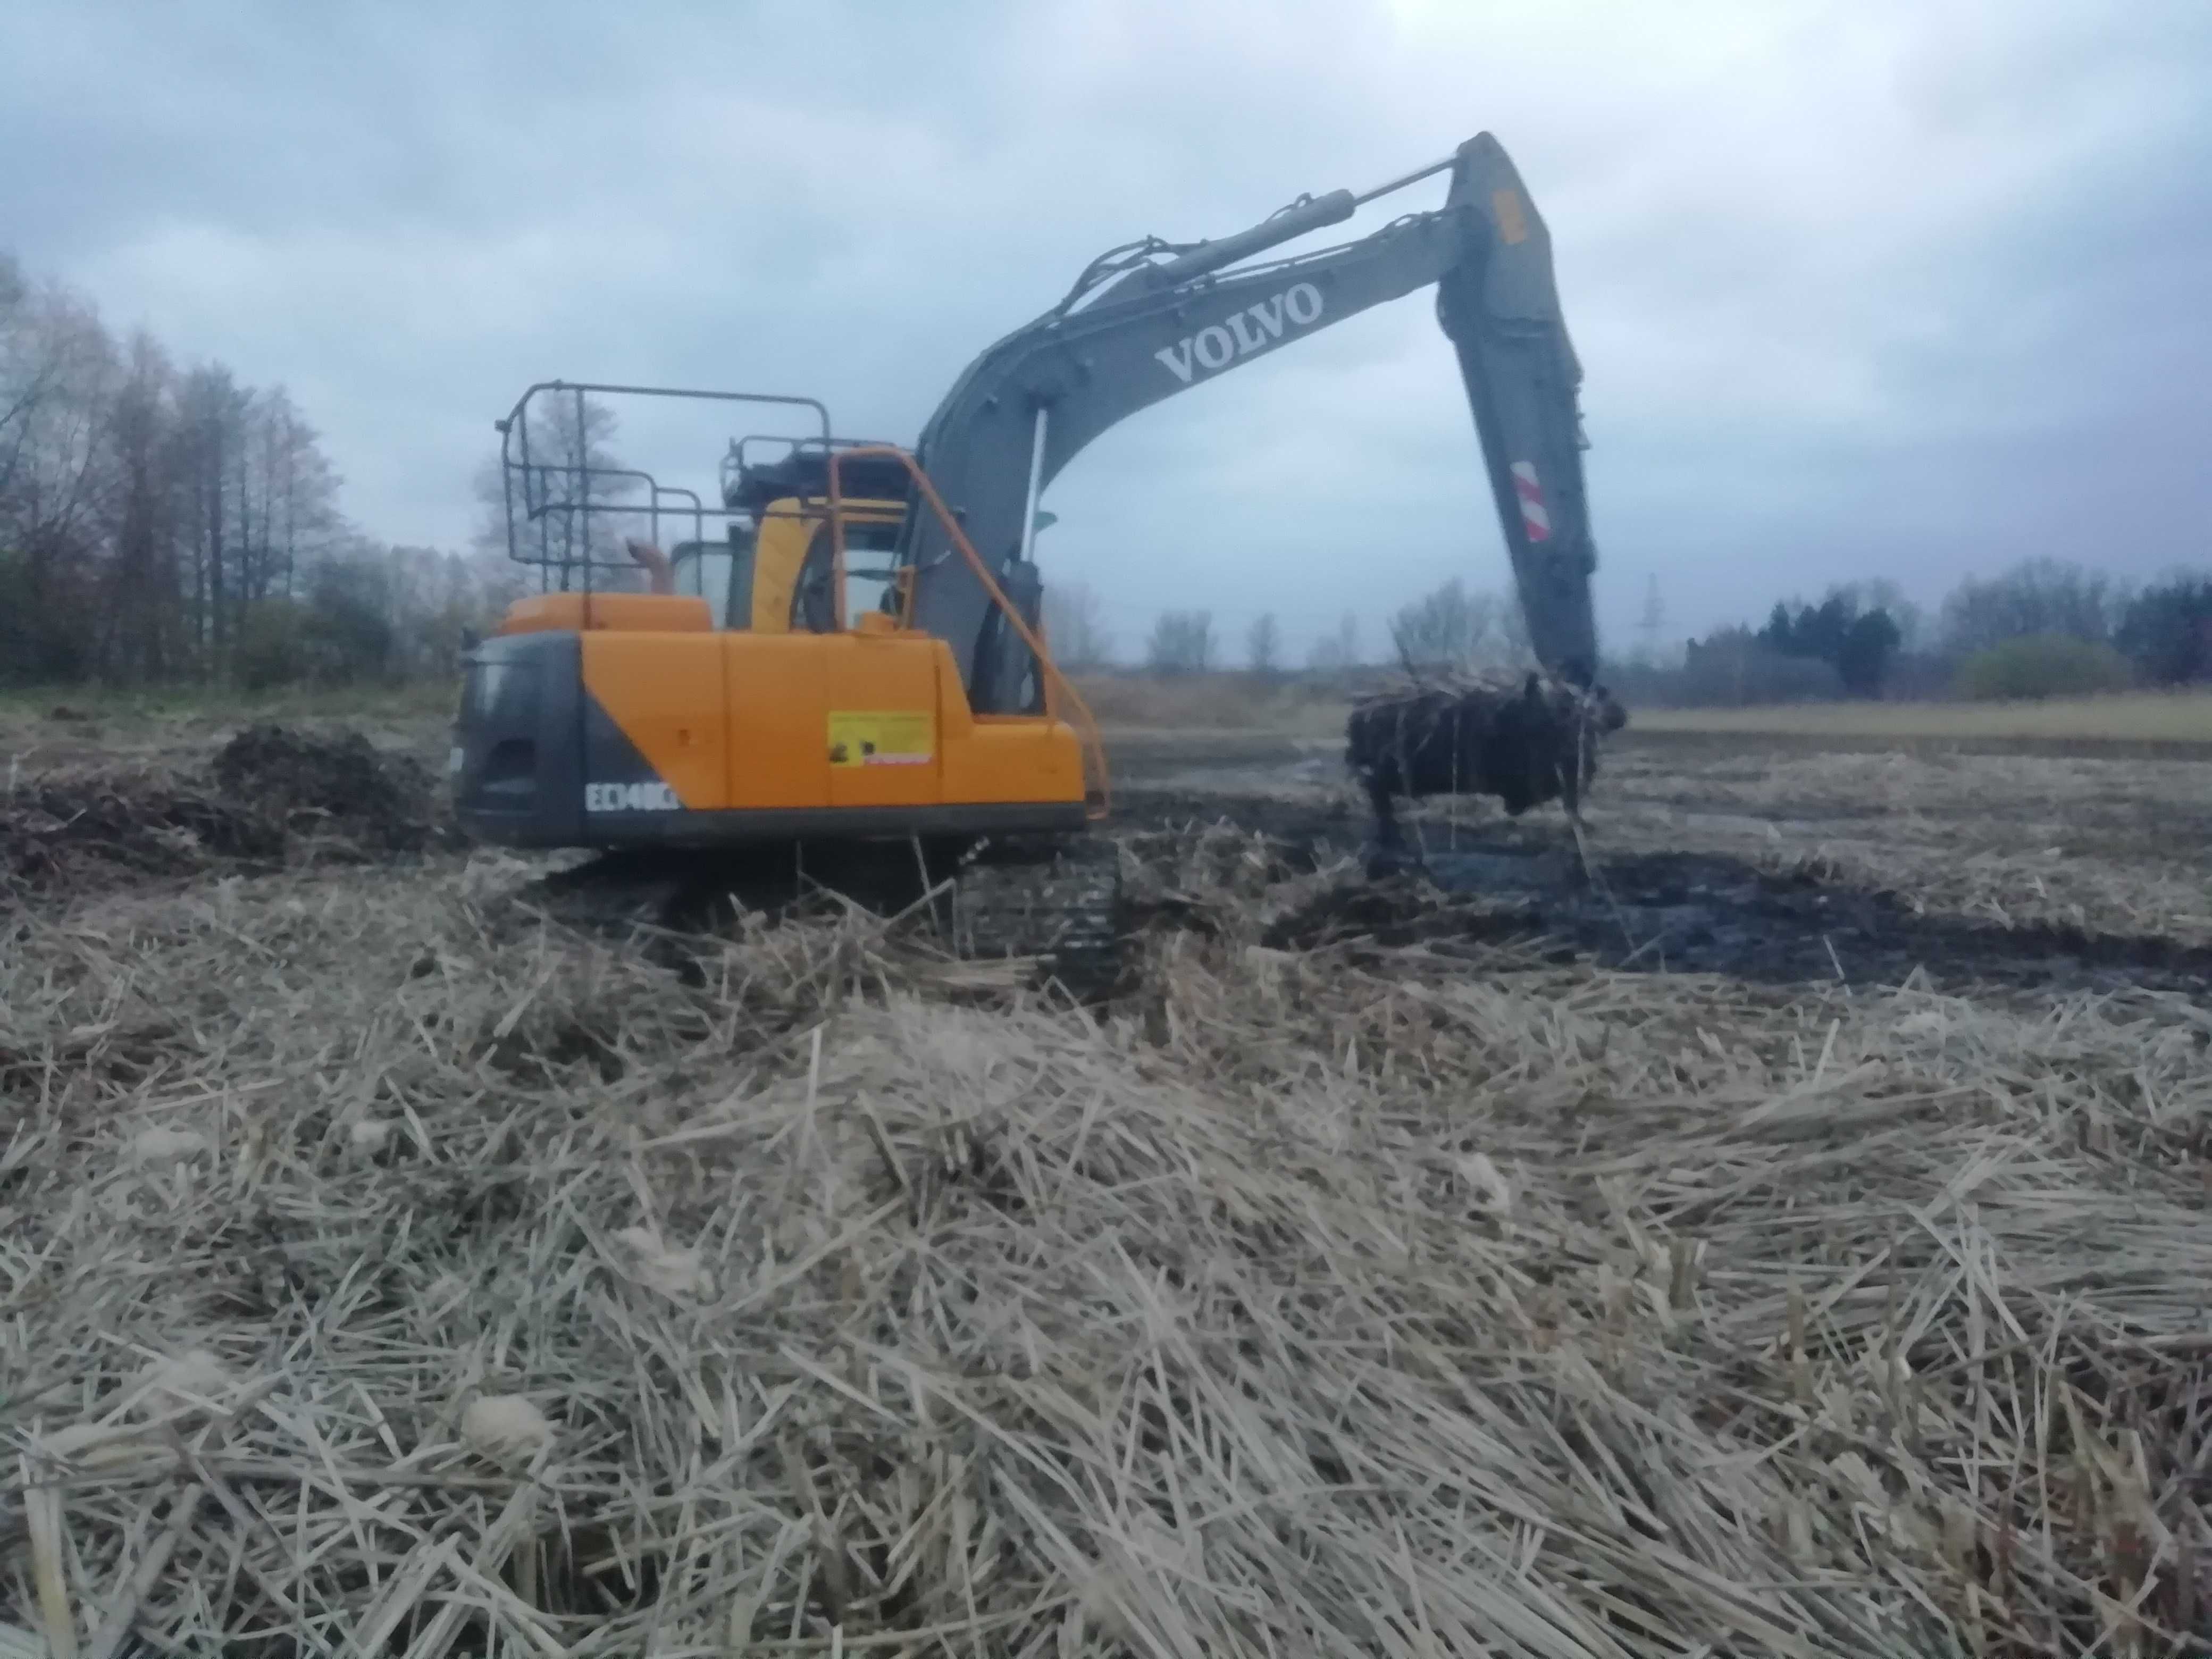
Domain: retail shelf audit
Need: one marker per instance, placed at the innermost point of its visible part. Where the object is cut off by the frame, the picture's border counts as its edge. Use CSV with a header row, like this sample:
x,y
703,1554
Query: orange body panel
x,y
1014,757
870,718
591,613
778,687
665,691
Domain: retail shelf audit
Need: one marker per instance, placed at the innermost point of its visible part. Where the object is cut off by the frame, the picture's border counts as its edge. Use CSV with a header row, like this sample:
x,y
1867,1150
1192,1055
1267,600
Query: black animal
x,y
1527,749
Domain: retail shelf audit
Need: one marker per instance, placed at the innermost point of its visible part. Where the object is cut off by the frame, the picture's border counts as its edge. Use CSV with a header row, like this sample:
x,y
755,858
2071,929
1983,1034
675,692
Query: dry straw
x,y
829,1299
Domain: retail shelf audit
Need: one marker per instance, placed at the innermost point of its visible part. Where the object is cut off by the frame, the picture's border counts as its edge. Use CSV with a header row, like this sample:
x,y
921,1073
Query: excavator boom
x,y
1137,331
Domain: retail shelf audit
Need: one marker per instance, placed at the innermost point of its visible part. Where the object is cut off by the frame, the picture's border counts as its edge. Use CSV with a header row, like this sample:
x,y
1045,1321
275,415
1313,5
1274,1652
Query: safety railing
x,y
560,484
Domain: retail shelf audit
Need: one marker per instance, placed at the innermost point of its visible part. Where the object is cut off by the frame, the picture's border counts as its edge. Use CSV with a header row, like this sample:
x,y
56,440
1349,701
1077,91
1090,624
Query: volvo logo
x,y
1253,328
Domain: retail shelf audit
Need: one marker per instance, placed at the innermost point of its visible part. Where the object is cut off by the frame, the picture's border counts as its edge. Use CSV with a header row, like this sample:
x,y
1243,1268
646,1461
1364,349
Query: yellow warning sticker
x,y
1512,222
897,736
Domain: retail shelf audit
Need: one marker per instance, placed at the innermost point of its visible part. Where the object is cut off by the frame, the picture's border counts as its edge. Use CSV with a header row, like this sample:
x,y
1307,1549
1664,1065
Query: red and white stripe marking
x,y
1534,519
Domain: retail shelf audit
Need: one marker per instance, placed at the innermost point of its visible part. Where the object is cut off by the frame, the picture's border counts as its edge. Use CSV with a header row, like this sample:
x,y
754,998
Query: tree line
x,y
163,523
1454,626
2041,627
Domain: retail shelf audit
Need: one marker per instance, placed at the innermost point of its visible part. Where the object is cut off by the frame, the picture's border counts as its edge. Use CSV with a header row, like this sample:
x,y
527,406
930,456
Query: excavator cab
x,y
790,561
789,572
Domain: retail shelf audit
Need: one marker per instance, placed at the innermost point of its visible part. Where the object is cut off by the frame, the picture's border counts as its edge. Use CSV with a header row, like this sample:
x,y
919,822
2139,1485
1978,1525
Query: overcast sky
x,y
1904,290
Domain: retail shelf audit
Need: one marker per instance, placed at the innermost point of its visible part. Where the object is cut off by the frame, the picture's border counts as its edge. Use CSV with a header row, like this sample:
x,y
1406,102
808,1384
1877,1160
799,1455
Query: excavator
x,y
745,720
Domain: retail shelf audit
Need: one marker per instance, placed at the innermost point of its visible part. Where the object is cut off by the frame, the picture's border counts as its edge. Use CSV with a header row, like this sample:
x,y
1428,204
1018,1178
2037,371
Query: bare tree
x,y
1446,629
2038,596
1263,645
143,637
1513,649
61,372
157,527
1074,624
1182,643
1334,652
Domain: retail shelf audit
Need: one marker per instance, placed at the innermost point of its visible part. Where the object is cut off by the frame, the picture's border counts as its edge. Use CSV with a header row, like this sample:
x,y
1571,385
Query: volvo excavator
x,y
745,720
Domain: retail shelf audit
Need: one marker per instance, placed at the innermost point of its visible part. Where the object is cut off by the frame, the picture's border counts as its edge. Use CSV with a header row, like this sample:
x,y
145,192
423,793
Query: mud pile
x,y
271,796
341,784
74,830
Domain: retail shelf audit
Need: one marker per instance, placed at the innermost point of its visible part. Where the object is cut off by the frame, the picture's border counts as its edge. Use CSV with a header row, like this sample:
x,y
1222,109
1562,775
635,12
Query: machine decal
x,y
896,736
1512,223
1253,328
630,798
1535,517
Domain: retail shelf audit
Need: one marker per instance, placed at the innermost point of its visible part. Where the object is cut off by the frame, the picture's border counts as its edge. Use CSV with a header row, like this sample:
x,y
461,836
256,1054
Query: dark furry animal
x,y
1527,747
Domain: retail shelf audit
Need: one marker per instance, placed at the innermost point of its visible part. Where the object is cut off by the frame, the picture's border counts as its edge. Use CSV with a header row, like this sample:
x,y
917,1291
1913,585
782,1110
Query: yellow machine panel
x,y
666,692
882,736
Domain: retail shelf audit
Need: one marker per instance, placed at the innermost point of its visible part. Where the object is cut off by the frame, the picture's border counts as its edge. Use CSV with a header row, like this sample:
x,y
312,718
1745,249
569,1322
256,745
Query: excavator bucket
x,y
1502,313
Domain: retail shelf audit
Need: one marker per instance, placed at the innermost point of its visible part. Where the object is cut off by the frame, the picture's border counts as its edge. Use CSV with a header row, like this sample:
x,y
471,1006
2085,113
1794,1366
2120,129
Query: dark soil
x,y
380,801
1657,912
273,797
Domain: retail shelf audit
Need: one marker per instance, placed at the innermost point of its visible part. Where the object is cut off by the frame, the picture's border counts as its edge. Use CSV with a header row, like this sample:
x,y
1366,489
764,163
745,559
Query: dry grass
x,y
1347,1302
2139,717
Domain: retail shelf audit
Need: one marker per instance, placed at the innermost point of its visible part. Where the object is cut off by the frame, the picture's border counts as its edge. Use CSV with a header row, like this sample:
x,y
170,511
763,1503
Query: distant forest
x,y
2041,628
162,524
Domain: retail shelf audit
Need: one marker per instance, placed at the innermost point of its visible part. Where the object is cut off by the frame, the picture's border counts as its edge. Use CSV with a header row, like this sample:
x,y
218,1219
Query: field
x,y
1792,1238
2148,717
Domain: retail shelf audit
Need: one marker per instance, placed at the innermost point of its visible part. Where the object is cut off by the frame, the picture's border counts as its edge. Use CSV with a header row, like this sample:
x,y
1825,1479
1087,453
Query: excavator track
x,y
1060,904
1055,904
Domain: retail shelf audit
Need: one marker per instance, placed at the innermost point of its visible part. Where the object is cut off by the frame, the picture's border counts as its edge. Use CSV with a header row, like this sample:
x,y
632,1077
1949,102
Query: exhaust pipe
x,y
661,576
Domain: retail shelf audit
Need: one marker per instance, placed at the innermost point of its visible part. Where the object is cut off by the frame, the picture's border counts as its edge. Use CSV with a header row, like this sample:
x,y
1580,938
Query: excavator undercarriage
x,y
1052,905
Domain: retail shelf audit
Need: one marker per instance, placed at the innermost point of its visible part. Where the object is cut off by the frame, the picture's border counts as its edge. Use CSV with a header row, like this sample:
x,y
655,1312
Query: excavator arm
x,y
1139,329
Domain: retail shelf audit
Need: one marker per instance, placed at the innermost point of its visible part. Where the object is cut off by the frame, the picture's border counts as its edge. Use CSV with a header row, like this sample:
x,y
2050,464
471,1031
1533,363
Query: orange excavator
x,y
752,716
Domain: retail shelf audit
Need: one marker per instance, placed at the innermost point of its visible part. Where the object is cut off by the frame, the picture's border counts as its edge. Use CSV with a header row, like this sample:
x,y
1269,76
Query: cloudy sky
x,y
1896,289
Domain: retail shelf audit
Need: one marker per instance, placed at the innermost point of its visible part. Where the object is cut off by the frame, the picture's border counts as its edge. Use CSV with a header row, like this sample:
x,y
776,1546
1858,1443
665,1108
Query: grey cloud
x,y
1904,290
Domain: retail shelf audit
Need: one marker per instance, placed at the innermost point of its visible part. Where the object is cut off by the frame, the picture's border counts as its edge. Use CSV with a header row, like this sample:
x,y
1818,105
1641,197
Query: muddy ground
x,y
1771,862
1764,860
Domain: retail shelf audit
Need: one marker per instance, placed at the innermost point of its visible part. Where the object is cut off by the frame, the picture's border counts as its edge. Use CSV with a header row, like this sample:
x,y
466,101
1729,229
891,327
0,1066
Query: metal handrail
x,y
577,555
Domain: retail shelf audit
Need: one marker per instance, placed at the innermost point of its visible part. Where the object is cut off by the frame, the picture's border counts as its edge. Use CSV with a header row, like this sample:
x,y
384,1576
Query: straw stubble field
x,y
1798,1244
